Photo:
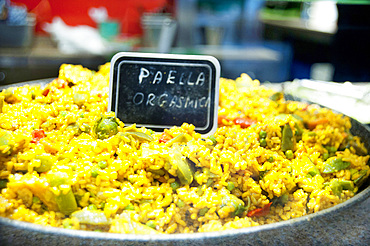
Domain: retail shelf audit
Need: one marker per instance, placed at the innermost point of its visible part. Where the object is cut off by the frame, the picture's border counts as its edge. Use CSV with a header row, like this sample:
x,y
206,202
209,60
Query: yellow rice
x,y
129,184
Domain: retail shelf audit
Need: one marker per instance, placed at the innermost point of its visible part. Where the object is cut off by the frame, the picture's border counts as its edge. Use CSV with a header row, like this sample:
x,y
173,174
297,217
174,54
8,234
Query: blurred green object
x,y
109,29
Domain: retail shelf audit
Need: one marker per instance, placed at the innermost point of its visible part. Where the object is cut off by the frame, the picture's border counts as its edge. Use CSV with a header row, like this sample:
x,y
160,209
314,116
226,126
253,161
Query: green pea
x,y
263,142
175,185
289,154
270,159
130,206
263,134
325,156
102,164
180,203
230,186
94,172
35,199
63,113
92,207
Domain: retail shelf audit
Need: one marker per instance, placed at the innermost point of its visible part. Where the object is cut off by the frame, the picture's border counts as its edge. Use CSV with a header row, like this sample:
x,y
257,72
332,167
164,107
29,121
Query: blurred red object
x,y
75,12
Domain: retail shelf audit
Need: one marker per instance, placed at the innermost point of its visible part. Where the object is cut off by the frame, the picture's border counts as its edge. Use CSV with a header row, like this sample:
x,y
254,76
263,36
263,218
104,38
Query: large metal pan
x,y
343,224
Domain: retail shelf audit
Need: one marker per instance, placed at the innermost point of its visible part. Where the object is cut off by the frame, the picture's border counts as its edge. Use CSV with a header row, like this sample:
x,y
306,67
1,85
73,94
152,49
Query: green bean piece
x,y
181,138
276,96
46,162
230,186
262,134
151,224
232,200
213,139
184,172
336,187
6,147
282,200
361,178
3,183
335,164
175,185
203,211
91,217
360,149
79,98
346,184
66,202
313,170
287,139
105,127
262,174
141,136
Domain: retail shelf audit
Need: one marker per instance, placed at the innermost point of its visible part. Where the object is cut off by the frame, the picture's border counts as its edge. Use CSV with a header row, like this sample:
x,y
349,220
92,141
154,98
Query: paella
x,y
66,162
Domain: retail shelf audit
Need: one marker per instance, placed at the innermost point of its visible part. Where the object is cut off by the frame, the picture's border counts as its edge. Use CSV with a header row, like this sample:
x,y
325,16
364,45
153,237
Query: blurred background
x,y
272,41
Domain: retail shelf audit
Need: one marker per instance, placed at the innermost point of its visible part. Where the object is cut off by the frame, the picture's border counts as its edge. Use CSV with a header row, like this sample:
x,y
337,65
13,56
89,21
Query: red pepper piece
x,y
61,84
37,135
165,137
46,92
220,119
244,122
259,212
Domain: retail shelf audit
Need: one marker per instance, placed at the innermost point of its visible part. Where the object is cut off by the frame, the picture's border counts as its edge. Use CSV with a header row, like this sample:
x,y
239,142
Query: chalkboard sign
x,y
159,91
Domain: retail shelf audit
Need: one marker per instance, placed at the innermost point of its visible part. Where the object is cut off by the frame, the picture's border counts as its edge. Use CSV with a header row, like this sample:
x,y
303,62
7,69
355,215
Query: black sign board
x,y
159,91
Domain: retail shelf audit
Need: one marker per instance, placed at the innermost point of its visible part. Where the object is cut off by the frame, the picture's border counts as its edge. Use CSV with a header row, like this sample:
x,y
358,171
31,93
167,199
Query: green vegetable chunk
x,y
46,160
66,202
276,96
105,127
141,136
338,185
184,171
334,165
213,139
287,140
361,178
3,183
79,98
91,217
238,204
6,147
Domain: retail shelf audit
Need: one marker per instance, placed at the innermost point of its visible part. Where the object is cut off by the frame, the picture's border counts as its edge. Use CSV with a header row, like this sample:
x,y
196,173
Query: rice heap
x,y
66,162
